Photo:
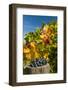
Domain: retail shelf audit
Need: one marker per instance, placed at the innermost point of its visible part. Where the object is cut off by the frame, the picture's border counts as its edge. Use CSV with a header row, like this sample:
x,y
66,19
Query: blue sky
x,y
31,22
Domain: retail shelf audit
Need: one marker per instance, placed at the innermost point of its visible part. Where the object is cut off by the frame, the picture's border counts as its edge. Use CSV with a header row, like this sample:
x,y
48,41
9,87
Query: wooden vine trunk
x,y
40,69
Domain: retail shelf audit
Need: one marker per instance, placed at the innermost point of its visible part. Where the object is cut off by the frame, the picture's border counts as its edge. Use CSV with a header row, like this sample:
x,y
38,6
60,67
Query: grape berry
x,y
38,62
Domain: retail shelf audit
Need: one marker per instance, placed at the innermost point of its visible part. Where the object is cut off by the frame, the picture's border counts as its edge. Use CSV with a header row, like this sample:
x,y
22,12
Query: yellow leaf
x,y
32,44
26,50
36,55
28,56
45,28
46,55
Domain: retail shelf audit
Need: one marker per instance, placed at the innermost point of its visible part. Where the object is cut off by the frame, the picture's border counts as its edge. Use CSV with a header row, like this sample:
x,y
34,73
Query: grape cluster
x,y
38,62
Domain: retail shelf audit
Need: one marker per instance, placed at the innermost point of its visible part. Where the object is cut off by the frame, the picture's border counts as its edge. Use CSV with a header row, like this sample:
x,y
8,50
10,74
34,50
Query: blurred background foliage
x,y
42,43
